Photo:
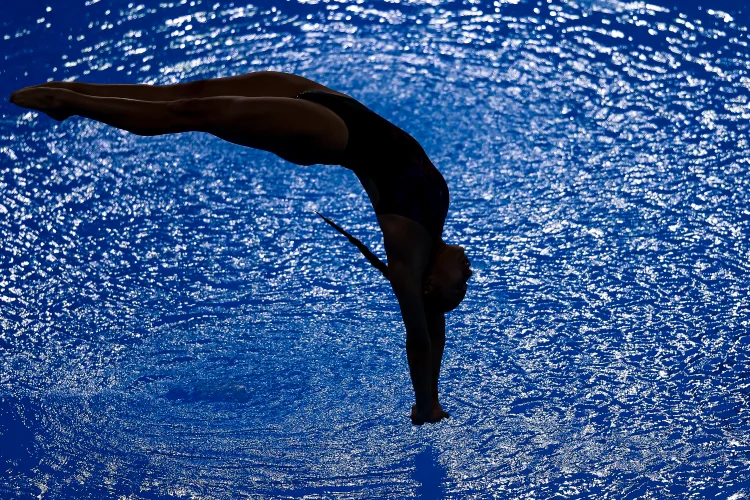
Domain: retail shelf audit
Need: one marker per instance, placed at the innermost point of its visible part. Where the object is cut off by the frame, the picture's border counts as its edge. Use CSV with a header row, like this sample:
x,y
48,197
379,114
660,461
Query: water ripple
x,y
175,321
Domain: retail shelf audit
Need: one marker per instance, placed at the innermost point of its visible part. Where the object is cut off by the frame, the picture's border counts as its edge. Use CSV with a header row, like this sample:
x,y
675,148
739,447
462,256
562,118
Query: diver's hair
x,y
371,257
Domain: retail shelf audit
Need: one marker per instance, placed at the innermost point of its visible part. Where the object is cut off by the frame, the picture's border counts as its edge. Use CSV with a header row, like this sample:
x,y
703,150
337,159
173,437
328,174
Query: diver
x,y
307,123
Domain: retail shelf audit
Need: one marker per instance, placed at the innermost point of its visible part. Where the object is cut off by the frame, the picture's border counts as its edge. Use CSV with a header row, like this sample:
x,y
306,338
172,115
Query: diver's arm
x,y
408,246
408,291
436,327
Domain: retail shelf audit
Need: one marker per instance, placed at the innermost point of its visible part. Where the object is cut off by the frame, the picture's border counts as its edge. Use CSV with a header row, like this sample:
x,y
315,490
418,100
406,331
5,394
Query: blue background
x,y
176,322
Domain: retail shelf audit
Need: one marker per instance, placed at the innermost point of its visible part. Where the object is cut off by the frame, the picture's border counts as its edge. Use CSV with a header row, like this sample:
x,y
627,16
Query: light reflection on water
x,y
176,320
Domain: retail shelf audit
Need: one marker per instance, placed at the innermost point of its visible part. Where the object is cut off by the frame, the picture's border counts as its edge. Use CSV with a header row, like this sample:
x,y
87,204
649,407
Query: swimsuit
x,y
380,153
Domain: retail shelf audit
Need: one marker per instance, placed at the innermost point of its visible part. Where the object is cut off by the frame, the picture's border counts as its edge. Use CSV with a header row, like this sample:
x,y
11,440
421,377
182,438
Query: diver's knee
x,y
196,88
187,107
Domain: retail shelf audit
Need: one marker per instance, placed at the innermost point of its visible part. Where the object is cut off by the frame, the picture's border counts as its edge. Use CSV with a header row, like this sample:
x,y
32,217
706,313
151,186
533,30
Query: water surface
x,y
176,322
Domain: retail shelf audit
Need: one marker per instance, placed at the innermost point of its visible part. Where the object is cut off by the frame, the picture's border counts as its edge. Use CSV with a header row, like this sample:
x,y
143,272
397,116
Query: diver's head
x,y
445,282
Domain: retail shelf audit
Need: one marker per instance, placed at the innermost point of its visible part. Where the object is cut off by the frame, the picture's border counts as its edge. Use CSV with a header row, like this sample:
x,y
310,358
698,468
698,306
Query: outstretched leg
x,y
256,84
298,131
138,117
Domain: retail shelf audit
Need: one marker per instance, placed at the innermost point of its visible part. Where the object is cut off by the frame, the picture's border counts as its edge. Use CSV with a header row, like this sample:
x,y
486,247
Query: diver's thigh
x,y
259,84
296,130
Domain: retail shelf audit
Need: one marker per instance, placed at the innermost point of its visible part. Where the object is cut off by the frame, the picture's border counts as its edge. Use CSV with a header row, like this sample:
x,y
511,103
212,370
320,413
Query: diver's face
x,y
450,273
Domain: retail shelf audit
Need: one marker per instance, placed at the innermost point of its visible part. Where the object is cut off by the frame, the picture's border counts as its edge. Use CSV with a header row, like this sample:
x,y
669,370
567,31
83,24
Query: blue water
x,y
176,322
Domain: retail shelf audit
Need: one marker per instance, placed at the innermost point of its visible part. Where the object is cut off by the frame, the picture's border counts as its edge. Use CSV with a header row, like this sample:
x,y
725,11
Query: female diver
x,y
307,123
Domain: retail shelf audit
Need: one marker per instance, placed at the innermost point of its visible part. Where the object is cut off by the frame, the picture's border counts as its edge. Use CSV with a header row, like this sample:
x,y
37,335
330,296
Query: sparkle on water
x,y
175,320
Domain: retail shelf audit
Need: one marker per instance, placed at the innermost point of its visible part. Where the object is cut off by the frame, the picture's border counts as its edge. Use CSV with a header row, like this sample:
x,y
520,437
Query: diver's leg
x,y
296,130
141,92
257,84
138,117
299,131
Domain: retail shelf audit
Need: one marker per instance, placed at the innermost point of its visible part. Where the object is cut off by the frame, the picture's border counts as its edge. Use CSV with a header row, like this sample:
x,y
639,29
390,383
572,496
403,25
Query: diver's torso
x,y
393,168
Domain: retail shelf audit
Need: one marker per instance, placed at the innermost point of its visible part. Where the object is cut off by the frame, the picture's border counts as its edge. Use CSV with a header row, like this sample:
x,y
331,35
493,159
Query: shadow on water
x,y
429,474
212,392
19,422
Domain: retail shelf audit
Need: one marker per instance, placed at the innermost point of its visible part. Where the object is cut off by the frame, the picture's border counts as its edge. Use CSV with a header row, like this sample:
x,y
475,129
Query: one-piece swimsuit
x,y
380,153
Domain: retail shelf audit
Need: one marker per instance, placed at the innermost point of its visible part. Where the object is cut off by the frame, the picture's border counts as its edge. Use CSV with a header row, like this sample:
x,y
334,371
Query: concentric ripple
x,y
176,322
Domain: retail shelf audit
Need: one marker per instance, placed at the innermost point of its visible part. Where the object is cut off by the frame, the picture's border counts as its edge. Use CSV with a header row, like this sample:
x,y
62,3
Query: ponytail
x,y
371,257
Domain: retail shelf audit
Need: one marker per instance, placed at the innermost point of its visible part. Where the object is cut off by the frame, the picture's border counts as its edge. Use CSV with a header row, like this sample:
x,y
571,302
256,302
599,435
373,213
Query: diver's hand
x,y
436,414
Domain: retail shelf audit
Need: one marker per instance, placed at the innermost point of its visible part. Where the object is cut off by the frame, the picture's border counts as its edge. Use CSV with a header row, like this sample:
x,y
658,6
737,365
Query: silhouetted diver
x,y
307,123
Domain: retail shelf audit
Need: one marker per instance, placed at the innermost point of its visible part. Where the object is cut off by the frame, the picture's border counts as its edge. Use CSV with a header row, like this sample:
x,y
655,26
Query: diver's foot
x,y
47,100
